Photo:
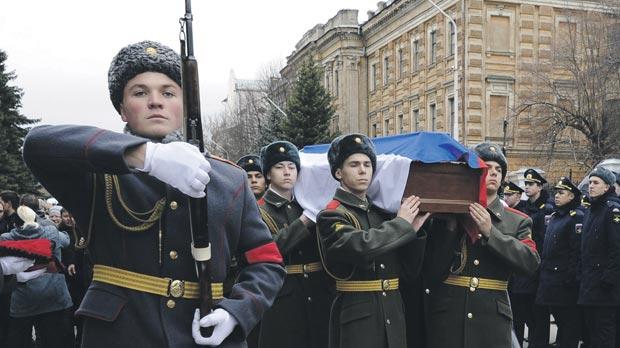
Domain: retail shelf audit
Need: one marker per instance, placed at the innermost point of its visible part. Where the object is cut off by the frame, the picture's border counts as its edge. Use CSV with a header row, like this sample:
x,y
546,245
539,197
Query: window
x,y
373,77
386,70
497,113
499,34
452,39
450,114
415,55
400,125
336,82
415,120
386,125
374,130
433,46
432,113
401,63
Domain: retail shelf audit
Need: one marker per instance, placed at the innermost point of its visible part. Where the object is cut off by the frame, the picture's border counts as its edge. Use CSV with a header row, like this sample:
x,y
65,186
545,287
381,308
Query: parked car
x,y
612,164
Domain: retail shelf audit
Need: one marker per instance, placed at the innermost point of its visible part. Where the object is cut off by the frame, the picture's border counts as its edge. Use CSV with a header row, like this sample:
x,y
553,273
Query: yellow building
x,y
394,73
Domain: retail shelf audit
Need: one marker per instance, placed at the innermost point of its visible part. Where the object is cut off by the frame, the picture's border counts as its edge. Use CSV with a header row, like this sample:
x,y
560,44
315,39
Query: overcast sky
x,y
61,50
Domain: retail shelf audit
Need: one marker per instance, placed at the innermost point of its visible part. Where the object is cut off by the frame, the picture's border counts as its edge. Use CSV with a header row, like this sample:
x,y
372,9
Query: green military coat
x,y
362,242
463,317
299,316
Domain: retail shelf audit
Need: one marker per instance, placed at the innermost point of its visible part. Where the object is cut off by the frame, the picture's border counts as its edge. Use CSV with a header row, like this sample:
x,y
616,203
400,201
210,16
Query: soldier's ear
x,y
338,174
122,109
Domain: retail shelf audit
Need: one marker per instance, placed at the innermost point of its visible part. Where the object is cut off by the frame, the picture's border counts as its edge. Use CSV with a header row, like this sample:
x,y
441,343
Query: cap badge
x,y
151,51
251,161
560,182
492,148
358,140
282,149
529,176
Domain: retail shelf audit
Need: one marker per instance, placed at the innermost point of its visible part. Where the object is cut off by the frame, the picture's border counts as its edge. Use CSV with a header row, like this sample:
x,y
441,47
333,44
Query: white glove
x,y
222,320
179,165
23,277
14,264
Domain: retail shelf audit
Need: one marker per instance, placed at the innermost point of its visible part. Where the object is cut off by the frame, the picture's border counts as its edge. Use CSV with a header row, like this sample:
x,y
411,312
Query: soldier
x,y
512,194
523,289
558,286
468,263
367,250
300,314
252,166
599,290
129,195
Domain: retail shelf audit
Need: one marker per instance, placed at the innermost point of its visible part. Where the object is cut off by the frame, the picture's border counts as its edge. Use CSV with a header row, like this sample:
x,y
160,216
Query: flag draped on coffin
x,y
315,185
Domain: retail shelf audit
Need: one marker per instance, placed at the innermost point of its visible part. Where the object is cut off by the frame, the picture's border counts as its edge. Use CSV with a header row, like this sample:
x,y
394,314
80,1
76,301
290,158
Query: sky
x,y
61,50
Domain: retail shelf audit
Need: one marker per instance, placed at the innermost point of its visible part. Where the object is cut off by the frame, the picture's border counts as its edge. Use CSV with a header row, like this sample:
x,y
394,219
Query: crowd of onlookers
x,y
38,310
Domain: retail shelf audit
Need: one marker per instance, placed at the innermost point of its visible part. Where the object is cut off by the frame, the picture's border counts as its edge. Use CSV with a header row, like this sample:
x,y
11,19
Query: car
x,y
612,164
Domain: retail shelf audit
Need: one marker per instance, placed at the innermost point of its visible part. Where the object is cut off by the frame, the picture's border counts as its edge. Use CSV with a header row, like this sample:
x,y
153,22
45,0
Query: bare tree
x,y
574,102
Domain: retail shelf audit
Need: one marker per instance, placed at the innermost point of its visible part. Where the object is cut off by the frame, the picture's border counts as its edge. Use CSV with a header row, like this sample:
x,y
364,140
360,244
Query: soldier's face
x,y
494,176
152,105
597,187
283,176
356,173
256,180
512,199
563,197
532,189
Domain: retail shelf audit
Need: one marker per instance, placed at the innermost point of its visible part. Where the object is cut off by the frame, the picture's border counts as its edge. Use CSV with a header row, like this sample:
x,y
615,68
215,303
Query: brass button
x,y
479,235
472,289
469,315
382,266
476,262
174,205
289,206
384,294
173,254
427,291
388,321
309,299
170,304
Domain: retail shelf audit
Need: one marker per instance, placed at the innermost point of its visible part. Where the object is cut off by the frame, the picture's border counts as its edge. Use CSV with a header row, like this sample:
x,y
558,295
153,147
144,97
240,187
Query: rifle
x,y
192,130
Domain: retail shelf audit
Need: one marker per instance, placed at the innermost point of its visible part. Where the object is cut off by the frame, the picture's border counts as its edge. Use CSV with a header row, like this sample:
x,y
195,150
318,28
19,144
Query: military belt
x,y
304,268
474,283
166,287
367,285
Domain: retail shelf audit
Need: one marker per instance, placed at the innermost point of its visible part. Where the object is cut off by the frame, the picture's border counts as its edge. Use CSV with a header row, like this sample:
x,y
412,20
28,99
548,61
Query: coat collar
x,y
275,199
352,200
496,208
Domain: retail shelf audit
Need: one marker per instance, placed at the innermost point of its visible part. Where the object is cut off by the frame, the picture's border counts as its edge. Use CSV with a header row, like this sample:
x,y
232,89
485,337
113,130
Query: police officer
x,y
129,194
523,289
367,250
467,265
512,194
252,166
599,290
558,286
300,314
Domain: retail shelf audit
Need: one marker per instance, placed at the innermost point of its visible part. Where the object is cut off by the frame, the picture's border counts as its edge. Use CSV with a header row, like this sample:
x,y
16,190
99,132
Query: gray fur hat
x,y
279,151
492,152
605,174
138,58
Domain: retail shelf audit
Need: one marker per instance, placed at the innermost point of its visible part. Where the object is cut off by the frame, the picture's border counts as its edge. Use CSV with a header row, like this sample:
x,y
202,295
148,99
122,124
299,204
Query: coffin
x,y
444,187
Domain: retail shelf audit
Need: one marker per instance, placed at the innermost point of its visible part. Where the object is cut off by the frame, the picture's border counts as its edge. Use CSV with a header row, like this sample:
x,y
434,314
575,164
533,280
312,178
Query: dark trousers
x,y
601,325
568,320
522,314
55,330
539,335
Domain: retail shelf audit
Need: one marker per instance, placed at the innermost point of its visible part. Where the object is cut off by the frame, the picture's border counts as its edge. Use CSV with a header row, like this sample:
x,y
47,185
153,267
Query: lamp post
x,y
455,123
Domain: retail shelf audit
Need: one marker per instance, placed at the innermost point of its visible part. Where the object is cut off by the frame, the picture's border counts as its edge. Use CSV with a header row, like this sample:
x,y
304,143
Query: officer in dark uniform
x,y
599,271
467,265
299,316
367,250
558,285
129,195
252,166
512,194
522,288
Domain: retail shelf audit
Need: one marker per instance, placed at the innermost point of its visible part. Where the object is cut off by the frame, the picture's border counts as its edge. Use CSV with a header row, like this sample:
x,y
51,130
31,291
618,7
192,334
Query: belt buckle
x,y
305,268
176,288
474,282
385,285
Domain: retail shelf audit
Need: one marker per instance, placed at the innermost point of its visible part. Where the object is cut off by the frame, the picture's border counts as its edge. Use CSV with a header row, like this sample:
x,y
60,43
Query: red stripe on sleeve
x,y
530,243
265,253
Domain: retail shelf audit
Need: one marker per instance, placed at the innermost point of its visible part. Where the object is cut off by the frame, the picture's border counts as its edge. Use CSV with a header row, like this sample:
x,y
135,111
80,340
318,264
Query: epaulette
x,y
515,211
333,204
614,205
572,213
541,206
261,202
225,161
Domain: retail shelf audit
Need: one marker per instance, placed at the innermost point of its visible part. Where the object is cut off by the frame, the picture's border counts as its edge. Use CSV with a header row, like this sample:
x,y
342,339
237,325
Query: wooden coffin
x,y
444,187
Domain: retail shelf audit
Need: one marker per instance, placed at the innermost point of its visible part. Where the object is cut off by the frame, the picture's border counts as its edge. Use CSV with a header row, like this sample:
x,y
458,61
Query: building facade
x,y
394,73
